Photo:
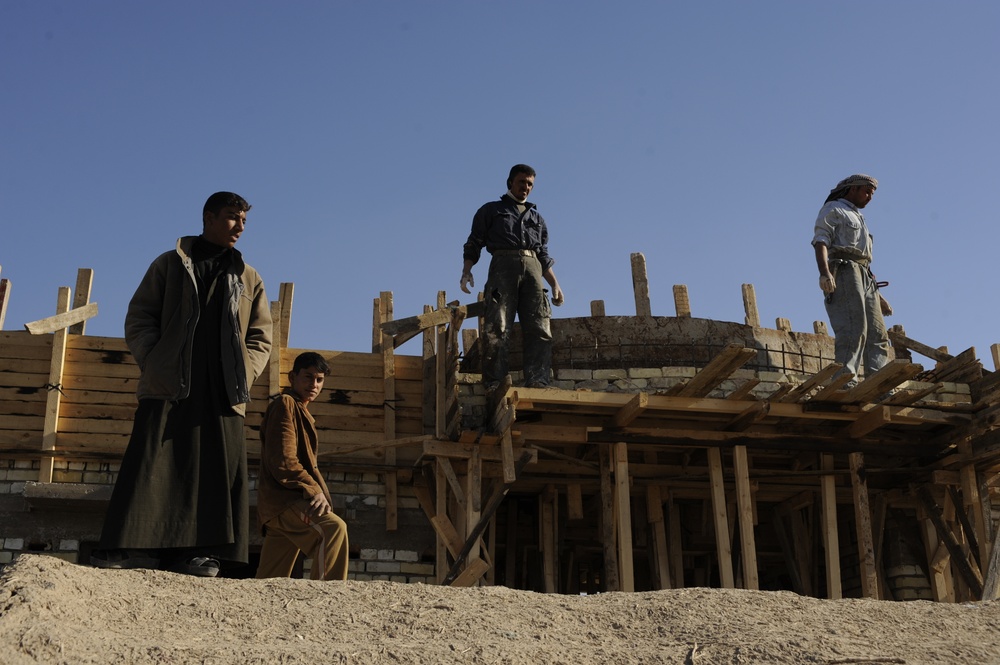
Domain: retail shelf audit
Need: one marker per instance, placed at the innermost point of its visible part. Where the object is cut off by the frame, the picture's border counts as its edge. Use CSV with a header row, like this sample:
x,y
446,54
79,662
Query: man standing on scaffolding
x,y
515,235
843,249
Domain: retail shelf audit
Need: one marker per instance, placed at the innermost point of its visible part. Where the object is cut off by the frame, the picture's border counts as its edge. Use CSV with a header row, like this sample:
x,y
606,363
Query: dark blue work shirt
x,y
499,225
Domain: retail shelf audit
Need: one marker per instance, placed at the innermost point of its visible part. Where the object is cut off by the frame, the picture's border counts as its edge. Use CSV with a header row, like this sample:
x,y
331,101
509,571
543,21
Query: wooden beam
x,y
828,524
816,380
388,411
548,502
81,296
64,319
744,502
274,362
286,294
869,422
608,543
718,370
574,502
752,414
5,287
597,308
863,523
720,519
57,362
496,498
475,570
623,516
891,375
640,285
632,410
658,524
899,339
991,585
971,575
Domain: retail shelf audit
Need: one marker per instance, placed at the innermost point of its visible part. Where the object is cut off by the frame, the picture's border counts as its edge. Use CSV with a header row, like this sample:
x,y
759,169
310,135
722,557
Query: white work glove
x,y
467,281
827,284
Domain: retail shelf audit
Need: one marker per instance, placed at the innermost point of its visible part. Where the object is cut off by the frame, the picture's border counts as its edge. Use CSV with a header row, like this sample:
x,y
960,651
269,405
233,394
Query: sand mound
x,y
55,612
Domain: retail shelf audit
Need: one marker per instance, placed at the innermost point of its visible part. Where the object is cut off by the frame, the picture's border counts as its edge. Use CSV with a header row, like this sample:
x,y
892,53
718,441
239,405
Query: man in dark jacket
x,y
199,327
515,235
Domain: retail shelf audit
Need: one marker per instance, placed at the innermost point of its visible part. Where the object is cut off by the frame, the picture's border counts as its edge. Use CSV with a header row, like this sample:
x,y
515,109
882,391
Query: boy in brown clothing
x,y
293,502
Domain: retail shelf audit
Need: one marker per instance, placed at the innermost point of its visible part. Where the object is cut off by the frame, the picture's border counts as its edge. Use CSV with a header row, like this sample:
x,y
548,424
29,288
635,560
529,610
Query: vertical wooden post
x,y
441,376
750,306
623,504
473,497
84,284
640,285
286,294
510,562
277,342
661,551
831,537
676,546
744,501
720,519
611,578
971,502
682,303
441,565
995,352
4,299
429,383
386,347
863,519
547,537
597,308
50,432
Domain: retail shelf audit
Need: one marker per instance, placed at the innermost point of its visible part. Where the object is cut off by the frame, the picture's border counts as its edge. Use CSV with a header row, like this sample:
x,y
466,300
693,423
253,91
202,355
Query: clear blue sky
x,y
365,134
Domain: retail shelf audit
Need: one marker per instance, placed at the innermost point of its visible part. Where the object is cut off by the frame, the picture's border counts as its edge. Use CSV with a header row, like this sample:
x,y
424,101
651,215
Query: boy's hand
x,y
319,506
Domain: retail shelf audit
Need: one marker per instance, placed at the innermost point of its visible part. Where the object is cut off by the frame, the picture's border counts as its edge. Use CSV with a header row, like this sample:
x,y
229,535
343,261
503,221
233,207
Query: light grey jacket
x,y
163,314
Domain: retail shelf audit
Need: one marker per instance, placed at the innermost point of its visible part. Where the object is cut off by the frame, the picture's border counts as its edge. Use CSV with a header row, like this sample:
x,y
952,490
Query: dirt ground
x,y
56,612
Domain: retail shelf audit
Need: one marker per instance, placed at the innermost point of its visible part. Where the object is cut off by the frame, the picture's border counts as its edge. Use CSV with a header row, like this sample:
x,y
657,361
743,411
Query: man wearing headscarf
x,y
843,249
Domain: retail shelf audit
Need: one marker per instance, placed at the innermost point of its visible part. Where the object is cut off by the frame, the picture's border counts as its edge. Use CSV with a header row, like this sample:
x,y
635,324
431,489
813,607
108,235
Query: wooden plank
x,y
441,505
750,306
863,523
744,502
547,537
446,530
444,464
62,320
5,289
440,377
597,308
869,422
286,295
640,285
574,502
632,410
720,519
801,391
472,539
389,413
84,284
890,376
676,549
970,574
658,526
898,339
50,431
274,362
623,516
832,388
831,536
991,585
472,573
449,449
718,370
608,542
507,457
752,414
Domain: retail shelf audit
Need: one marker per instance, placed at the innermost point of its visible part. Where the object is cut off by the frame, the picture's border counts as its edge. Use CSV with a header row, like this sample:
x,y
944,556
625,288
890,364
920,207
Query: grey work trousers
x,y
856,317
515,286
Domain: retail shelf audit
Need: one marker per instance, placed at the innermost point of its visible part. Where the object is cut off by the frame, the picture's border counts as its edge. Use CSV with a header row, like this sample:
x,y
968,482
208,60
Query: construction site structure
x,y
669,452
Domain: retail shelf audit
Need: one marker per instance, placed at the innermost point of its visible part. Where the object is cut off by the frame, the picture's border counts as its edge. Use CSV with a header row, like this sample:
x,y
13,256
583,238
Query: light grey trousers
x,y
856,317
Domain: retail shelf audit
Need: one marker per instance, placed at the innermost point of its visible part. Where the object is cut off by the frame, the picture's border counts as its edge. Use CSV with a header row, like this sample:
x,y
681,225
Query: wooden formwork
x,y
623,490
